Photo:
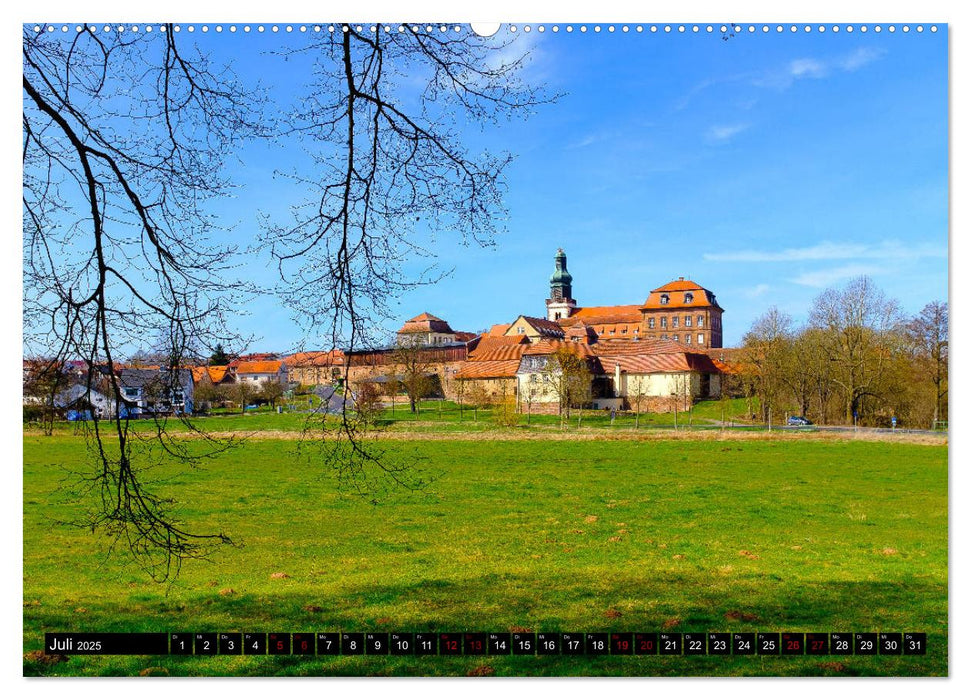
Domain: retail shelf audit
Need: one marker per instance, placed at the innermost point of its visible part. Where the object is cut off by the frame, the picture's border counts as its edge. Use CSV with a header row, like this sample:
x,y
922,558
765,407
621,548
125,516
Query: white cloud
x,y
889,250
807,68
723,132
817,68
859,58
756,291
826,278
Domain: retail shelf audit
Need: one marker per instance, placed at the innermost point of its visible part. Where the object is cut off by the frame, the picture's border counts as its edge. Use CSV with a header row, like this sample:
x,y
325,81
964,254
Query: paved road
x,y
811,428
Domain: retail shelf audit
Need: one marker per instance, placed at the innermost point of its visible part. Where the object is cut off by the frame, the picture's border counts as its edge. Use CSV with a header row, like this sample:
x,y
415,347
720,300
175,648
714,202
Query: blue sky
x,y
766,168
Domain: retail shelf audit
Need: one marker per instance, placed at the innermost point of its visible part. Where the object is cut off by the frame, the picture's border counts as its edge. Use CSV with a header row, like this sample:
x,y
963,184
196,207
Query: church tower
x,y
561,303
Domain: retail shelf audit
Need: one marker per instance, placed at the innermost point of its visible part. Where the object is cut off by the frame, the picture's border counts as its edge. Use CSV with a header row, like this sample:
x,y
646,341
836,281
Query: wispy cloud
x,y
585,141
859,58
756,291
807,68
826,278
889,250
724,132
815,68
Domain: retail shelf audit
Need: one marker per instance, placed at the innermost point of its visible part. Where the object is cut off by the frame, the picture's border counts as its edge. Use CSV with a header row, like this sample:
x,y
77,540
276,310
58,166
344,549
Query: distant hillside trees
x,y
857,359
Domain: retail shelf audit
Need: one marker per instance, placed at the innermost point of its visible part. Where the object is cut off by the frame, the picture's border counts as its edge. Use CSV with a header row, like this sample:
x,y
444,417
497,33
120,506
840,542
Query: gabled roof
x,y
548,346
259,367
215,373
424,316
253,357
544,327
424,323
488,343
637,347
500,352
727,360
490,369
499,329
145,377
677,292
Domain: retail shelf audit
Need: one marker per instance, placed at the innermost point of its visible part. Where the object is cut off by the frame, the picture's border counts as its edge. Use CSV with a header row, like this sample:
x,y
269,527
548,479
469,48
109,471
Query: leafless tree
x,y
928,340
570,378
413,372
124,136
861,334
766,349
392,173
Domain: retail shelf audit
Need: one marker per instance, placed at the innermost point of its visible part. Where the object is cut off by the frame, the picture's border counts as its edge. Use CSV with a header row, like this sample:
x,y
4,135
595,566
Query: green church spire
x,y
561,282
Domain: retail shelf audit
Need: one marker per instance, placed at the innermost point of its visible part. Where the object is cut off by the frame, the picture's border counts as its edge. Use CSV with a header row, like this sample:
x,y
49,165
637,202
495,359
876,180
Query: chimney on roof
x,y
681,279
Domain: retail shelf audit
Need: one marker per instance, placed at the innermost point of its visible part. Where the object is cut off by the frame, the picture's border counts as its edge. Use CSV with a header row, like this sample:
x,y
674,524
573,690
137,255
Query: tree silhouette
x,y
125,135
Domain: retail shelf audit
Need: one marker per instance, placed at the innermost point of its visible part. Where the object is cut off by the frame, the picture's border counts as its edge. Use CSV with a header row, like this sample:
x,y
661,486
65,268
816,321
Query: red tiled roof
x,y
501,352
499,329
253,357
465,336
548,346
637,347
259,367
489,343
676,291
425,316
650,363
594,315
315,358
647,364
727,360
216,373
424,323
490,369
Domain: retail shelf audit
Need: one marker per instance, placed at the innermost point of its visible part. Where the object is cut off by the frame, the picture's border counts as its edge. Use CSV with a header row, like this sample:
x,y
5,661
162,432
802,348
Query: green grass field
x,y
776,535
437,416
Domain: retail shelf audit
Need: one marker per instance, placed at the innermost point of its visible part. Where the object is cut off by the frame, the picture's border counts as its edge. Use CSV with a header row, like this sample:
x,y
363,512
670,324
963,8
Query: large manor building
x,y
682,311
658,354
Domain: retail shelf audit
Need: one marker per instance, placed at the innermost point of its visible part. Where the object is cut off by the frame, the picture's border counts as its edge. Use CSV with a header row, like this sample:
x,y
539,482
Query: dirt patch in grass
x,y
519,434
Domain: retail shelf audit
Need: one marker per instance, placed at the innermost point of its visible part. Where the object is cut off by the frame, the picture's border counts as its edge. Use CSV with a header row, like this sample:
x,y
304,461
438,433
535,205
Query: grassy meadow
x,y
782,534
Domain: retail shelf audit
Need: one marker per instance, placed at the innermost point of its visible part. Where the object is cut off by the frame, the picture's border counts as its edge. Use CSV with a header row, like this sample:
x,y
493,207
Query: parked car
x,y
798,420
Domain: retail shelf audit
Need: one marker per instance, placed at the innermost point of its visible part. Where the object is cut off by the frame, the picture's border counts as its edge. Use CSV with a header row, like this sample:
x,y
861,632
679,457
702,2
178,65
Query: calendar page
x,y
449,349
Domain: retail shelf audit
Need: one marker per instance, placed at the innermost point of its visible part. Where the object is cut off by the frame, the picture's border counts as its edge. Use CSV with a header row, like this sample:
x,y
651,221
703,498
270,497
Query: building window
x,y
521,330
688,298
664,336
701,321
558,316
664,321
674,337
687,322
611,331
665,298
650,322
674,322
130,392
623,330
687,339
701,339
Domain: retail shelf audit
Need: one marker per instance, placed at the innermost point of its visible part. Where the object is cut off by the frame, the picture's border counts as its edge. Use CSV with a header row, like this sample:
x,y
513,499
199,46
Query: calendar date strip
x,y
489,643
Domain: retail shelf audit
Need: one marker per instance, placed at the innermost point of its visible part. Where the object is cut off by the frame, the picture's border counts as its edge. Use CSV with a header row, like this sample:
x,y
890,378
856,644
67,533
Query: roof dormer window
x,y
688,297
665,298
